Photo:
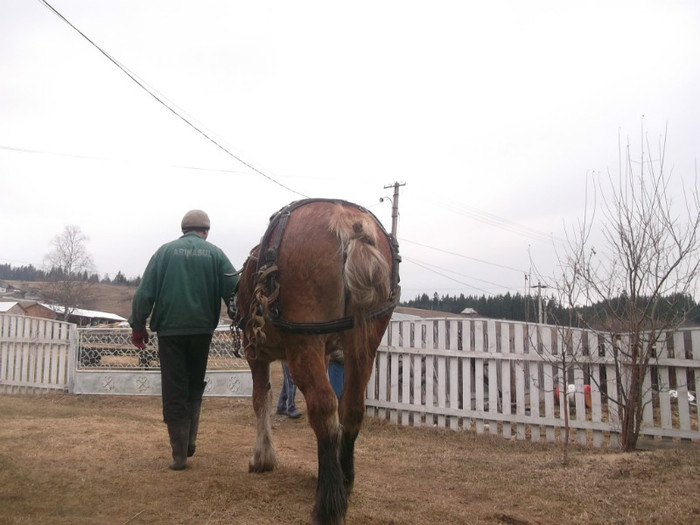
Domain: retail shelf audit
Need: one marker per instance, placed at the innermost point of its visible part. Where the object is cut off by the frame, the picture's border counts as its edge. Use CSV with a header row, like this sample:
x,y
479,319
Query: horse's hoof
x,y
257,468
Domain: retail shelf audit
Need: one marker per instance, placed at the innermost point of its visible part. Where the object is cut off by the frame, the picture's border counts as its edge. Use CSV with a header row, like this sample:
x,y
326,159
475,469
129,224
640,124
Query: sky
x,y
492,117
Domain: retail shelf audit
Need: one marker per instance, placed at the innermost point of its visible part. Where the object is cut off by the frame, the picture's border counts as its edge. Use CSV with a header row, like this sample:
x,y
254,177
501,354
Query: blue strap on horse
x,y
267,269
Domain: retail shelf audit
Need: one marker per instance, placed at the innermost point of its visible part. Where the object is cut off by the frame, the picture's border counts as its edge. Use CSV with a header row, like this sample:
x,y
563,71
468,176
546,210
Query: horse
x,y
324,278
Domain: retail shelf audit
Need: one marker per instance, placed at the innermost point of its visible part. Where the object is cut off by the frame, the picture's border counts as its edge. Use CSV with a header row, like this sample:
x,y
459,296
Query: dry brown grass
x,y
103,460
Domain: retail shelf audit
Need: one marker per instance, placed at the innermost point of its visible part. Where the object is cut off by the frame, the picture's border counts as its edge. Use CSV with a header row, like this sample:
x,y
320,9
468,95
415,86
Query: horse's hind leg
x,y
351,413
308,369
264,457
351,409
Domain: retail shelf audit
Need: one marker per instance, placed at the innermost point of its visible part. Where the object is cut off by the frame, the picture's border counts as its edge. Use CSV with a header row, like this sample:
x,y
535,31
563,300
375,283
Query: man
x,y
182,288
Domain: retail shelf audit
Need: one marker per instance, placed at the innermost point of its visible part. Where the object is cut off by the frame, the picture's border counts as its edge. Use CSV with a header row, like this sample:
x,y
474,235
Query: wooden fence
x,y
35,354
501,377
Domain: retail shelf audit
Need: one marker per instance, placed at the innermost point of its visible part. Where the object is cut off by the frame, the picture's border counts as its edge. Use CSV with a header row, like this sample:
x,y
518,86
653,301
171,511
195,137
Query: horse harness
x,y
266,291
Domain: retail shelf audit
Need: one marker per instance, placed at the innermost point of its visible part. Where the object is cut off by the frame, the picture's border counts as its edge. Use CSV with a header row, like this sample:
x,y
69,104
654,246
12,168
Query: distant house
x,y
51,311
27,308
7,289
12,293
470,312
34,309
11,307
83,317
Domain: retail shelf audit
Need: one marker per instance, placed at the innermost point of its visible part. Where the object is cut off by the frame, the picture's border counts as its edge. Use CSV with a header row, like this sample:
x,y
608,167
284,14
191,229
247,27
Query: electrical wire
x,y
489,218
169,107
107,159
463,256
445,276
433,268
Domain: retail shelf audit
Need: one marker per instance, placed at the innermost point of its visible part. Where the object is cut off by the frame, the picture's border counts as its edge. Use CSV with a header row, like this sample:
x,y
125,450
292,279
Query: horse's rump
x,y
322,266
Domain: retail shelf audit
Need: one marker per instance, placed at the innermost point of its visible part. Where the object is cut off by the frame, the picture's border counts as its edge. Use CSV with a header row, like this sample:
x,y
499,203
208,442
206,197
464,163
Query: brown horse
x,y
324,277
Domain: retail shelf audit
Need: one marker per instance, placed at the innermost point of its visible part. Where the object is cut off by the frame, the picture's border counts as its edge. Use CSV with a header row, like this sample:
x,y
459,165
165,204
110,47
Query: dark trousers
x,y
183,364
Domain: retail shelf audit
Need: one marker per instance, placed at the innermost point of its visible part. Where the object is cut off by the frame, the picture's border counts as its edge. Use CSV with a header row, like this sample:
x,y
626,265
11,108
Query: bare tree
x,y
630,275
562,348
68,265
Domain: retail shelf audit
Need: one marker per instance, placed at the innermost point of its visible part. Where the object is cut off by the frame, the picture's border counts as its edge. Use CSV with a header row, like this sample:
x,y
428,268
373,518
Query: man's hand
x,y
139,337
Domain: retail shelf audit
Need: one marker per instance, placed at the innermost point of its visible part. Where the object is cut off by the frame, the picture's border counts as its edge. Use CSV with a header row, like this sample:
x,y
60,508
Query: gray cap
x,y
195,219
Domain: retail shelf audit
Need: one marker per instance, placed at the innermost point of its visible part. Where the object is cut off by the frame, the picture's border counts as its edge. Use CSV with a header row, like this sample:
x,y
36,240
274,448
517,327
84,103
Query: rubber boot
x,y
179,432
292,410
195,409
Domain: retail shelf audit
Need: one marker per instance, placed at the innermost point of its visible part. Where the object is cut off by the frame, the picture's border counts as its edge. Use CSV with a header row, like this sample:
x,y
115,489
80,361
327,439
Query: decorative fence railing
x,y
501,377
111,348
107,363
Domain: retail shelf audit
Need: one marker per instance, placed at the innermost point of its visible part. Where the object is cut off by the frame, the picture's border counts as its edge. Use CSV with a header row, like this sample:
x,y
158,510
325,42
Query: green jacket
x,y
183,286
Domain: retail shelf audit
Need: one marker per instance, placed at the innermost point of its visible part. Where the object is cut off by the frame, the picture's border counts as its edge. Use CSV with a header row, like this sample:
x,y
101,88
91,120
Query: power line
x,y
491,219
107,159
169,107
445,276
429,267
463,256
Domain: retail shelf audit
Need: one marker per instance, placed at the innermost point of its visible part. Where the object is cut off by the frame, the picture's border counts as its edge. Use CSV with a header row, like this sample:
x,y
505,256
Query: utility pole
x,y
540,314
394,206
527,298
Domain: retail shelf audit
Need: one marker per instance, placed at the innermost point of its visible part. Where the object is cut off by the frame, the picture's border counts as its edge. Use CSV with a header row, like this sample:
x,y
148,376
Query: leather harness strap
x,y
328,327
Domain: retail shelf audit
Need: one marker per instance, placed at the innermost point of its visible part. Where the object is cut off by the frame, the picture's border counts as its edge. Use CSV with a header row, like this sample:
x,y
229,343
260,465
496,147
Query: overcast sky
x,y
493,114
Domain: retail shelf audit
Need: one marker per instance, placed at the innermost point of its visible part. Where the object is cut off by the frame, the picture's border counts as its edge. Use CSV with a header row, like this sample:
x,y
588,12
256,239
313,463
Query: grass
x,y
103,459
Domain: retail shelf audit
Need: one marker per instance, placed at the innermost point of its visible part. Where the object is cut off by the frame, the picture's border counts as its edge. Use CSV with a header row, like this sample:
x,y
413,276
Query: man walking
x,y
182,288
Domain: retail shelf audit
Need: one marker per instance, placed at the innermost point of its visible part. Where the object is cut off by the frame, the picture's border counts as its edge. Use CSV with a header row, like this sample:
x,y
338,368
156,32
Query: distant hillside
x,y
422,312
110,298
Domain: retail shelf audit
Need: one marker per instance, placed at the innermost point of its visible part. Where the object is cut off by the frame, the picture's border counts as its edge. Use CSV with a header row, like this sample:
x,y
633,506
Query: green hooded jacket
x,y
183,286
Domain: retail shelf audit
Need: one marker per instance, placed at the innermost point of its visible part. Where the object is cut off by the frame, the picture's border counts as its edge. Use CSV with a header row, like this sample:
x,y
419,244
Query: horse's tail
x,y
366,272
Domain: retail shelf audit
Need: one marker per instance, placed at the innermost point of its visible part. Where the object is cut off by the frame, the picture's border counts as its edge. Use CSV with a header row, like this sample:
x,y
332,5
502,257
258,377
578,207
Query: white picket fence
x,y
500,377
35,354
